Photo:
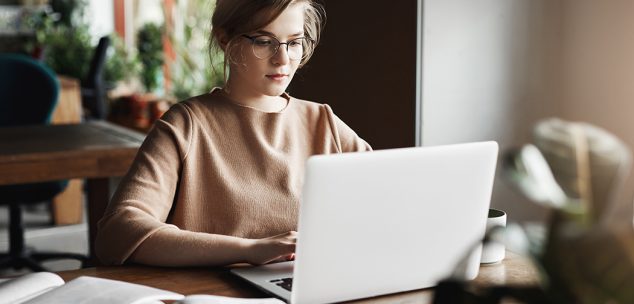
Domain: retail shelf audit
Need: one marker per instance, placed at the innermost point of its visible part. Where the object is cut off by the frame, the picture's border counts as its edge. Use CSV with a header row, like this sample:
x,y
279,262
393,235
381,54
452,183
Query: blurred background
x,y
152,53
119,61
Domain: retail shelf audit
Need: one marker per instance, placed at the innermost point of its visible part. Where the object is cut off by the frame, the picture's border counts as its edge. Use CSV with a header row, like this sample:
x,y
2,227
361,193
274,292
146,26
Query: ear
x,y
221,37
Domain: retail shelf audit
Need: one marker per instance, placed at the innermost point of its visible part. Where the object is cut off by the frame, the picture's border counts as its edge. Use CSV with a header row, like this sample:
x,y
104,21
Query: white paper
x,y
46,287
103,291
28,286
209,299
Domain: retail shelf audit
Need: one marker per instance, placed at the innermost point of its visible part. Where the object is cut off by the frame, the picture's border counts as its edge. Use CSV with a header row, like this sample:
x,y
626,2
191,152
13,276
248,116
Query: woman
x,y
218,179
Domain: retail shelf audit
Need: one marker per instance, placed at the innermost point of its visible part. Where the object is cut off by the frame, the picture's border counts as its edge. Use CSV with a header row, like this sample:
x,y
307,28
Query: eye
x,y
296,43
262,41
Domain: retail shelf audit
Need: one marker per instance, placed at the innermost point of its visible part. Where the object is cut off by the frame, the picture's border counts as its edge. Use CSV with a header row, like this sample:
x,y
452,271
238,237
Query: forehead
x,y
290,22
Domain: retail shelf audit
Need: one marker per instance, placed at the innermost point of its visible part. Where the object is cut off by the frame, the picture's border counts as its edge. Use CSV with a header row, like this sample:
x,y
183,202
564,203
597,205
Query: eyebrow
x,y
271,34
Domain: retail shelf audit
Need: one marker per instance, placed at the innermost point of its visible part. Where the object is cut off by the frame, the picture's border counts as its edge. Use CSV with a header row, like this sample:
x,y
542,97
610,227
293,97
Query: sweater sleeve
x,y
144,198
346,138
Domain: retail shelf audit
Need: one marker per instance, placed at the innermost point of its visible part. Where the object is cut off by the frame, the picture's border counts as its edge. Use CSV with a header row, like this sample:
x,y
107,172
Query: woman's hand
x,y
272,249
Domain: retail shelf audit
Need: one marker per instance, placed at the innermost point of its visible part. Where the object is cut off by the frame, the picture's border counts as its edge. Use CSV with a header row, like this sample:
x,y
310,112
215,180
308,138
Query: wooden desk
x,y
514,270
95,151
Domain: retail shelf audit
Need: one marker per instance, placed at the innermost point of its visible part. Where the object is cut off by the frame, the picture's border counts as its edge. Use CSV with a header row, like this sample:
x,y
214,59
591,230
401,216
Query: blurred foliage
x,y
68,50
41,23
150,46
195,72
70,12
66,46
62,34
121,64
65,38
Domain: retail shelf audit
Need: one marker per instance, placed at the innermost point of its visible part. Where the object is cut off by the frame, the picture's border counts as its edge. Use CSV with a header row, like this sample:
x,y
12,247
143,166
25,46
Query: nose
x,y
281,56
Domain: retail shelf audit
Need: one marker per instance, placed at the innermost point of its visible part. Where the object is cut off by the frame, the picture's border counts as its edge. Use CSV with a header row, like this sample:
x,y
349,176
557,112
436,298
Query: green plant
x,y
194,73
120,64
68,50
150,45
68,45
70,12
63,36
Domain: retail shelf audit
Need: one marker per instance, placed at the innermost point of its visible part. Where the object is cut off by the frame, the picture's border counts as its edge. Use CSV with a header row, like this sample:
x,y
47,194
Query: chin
x,y
275,91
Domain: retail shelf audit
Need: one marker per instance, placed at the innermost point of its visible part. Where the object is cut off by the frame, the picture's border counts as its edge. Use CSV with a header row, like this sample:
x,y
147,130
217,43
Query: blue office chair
x,y
28,95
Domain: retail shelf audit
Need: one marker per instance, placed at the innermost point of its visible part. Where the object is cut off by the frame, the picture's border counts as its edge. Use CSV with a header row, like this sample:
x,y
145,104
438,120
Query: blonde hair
x,y
233,18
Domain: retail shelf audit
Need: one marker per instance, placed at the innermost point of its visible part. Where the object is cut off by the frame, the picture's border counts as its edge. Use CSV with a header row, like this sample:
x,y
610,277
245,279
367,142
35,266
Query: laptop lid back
x,y
390,221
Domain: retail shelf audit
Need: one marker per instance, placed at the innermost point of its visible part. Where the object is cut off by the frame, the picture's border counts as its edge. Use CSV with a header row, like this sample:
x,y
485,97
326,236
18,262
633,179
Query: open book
x,y
46,287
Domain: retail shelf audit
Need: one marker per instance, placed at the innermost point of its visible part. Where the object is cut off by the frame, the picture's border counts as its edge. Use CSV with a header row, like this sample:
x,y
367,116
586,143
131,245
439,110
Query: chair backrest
x,y
95,102
97,63
28,91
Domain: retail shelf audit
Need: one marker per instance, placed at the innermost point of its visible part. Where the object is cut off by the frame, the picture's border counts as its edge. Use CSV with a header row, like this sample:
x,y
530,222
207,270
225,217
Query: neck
x,y
248,98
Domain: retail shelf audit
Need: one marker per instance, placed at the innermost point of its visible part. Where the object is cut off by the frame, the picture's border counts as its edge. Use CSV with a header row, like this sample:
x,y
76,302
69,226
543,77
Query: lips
x,y
277,76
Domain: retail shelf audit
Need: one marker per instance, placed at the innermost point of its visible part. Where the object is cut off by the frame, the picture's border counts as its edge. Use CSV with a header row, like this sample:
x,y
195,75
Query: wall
x,y
490,71
365,68
598,70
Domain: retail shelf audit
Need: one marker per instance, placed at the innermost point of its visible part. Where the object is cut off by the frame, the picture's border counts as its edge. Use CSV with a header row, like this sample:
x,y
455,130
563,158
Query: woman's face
x,y
268,76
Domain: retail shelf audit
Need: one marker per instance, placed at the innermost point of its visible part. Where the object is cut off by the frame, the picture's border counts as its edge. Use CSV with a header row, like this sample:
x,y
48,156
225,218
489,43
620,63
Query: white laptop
x,y
386,221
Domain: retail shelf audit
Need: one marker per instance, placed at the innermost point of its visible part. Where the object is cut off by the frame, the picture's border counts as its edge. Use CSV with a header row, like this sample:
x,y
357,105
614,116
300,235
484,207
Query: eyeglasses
x,y
265,47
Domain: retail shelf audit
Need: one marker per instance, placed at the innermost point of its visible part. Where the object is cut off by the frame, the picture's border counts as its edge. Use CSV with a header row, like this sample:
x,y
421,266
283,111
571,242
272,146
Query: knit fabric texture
x,y
211,165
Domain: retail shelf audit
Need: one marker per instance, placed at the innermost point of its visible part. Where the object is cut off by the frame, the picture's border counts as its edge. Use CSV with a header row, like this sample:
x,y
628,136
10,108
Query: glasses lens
x,y
264,47
296,48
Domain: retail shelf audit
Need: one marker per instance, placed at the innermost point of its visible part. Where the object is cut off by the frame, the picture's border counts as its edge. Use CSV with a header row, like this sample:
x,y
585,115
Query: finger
x,y
284,251
286,242
286,258
291,235
286,248
291,247
278,260
282,258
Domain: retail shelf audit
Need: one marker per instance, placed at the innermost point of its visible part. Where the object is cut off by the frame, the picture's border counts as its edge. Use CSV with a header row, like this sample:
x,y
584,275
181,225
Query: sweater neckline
x,y
217,91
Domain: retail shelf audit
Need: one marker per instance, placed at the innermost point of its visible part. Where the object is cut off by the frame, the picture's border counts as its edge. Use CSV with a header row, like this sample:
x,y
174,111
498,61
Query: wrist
x,y
246,250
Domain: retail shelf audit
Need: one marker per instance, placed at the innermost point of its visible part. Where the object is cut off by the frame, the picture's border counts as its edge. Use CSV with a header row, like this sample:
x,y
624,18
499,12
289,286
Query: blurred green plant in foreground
x,y
577,170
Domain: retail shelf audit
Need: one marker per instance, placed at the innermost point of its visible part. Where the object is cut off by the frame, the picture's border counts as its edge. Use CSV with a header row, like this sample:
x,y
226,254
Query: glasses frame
x,y
253,38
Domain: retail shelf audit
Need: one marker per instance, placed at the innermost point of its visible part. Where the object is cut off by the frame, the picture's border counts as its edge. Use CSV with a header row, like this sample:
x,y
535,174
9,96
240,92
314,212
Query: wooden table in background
x,y
95,151
515,270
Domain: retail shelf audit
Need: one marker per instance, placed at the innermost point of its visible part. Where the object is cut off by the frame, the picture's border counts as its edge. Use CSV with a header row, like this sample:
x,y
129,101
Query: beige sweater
x,y
210,165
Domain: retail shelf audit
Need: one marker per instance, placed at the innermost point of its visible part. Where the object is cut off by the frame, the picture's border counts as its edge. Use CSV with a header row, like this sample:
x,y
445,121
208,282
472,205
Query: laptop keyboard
x,y
286,283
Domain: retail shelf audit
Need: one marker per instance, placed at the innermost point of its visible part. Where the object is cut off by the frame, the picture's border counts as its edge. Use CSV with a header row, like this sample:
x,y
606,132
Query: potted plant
x,y
150,46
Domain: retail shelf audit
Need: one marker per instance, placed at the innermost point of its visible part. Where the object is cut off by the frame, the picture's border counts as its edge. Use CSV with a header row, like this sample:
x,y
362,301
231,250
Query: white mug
x,y
494,251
